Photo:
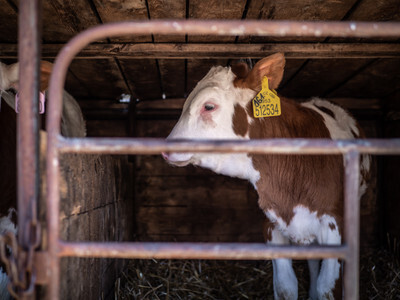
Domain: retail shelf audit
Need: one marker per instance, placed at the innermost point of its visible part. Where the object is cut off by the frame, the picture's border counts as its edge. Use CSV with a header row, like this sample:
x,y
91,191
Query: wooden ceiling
x,y
107,69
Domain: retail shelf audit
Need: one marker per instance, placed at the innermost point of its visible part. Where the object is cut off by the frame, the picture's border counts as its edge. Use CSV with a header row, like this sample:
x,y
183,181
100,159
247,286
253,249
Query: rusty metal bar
x,y
228,50
194,27
265,146
352,224
28,150
147,250
29,35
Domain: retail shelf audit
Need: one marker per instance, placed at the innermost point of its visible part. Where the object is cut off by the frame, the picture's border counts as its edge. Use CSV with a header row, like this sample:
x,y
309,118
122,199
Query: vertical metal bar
x,y
27,129
352,224
28,154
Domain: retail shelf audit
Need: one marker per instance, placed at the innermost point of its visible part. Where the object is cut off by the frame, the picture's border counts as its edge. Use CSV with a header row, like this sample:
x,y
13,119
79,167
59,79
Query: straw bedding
x,y
199,279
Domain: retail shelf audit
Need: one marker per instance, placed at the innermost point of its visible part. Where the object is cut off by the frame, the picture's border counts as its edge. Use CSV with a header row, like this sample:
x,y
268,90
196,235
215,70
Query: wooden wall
x,y
96,205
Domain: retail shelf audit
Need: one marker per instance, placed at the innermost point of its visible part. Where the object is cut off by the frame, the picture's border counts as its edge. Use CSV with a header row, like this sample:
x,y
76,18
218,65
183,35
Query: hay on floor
x,y
199,279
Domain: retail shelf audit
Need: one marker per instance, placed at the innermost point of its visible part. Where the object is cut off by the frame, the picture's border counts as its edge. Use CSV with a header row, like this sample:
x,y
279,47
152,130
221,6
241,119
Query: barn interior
x,y
135,86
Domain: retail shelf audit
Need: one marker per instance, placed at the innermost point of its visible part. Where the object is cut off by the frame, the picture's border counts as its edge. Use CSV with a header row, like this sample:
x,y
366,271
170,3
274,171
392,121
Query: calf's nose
x,y
164,155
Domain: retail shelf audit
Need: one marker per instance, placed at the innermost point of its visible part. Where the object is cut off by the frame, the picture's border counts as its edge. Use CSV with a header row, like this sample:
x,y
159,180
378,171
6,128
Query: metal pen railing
x,y
350,149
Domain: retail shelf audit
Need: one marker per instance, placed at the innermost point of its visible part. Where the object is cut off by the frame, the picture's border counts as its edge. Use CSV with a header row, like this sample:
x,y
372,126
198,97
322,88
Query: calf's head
x,y
209,111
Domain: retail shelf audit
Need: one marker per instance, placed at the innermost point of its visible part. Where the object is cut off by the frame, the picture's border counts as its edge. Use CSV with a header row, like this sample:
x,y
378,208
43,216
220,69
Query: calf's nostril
x,y
164,155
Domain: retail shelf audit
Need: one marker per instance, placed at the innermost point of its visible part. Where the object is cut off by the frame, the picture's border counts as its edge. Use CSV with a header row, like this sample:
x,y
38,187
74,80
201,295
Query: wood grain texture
x,y
303,10
8,24
143,78
98,77
96,205
166,9
213,207
213,10
318,77
370,11
173,77
372,82
62,20
123,10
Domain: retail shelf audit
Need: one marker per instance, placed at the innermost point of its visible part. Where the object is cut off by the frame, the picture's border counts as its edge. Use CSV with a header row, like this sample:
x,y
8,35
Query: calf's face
x,y
209,110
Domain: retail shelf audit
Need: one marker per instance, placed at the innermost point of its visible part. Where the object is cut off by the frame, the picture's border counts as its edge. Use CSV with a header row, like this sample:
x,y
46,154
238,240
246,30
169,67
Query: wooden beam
x,y
227,50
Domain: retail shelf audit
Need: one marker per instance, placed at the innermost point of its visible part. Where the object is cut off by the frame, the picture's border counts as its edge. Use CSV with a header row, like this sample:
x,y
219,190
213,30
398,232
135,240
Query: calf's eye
x,y
209,107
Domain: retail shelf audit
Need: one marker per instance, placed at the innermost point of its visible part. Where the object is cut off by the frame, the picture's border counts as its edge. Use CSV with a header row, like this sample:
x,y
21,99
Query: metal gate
x,y
43,267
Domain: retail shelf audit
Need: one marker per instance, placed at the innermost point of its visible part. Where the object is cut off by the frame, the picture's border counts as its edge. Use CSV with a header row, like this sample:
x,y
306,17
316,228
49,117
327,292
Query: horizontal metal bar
x,y
266,146
165,250
250,27
227,50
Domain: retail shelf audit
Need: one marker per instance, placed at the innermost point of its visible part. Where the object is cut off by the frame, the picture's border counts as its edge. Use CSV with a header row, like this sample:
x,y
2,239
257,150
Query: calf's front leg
x,y
285,281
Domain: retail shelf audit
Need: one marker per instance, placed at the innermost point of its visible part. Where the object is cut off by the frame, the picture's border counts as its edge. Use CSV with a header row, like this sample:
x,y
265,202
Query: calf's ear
x,y
45,72
271,66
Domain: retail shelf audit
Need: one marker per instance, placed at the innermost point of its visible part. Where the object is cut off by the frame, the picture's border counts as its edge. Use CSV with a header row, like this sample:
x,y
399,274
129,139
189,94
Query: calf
x,y
72,121
72,125
301,195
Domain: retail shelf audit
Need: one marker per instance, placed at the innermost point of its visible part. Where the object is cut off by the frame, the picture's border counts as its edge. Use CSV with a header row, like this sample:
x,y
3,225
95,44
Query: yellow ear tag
x,y
266,103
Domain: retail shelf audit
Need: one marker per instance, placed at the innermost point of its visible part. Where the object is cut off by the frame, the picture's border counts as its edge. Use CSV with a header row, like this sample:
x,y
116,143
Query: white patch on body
x,y
305,228
341,127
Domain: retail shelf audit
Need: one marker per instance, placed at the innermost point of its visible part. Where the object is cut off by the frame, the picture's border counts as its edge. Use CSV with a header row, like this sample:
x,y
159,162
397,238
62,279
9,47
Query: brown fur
x,y
240,124
314,181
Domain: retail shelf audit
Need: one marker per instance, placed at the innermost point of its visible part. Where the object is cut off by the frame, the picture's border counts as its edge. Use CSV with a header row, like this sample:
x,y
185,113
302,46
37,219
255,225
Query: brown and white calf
x,y
301,195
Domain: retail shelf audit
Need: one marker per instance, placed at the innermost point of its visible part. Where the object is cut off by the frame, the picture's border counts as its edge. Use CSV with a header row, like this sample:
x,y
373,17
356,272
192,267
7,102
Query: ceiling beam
x,y
226,50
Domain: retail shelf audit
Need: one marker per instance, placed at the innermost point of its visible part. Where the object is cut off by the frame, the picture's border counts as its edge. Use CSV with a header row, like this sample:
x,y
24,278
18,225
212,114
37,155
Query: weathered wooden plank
x,y
201,191
103,104
393,101
372,10
241,237
8,24
102,128
166,9
126,10
215,9
172,77
62,20
303,10
226,50
321,76
143,78
176,103
377,81
99,77
159,128
198,221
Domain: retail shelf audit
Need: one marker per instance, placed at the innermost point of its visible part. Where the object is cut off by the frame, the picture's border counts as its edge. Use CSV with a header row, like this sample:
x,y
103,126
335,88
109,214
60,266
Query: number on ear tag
x,y
266,103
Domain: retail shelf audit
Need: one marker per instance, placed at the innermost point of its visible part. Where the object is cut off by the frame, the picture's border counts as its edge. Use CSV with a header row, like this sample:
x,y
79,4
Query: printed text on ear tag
x,y
266,103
